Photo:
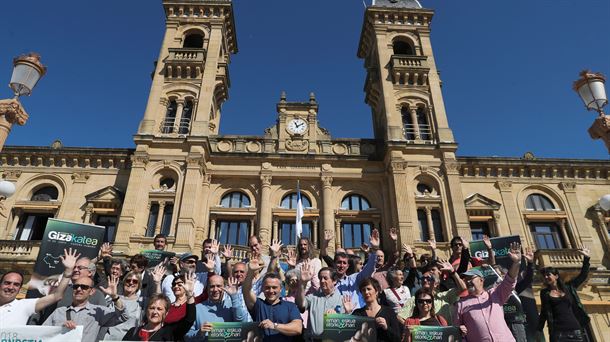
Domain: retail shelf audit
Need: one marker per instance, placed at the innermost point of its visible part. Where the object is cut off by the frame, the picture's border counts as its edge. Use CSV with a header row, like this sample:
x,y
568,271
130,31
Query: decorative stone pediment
x,y
478,201
108,197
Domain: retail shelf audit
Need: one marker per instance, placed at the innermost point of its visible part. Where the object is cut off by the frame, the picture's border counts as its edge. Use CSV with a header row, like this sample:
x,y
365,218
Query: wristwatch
x,y
275,326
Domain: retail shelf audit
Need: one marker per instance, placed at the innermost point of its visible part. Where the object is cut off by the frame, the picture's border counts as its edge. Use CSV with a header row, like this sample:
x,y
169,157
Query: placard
x,y
422,333
343,327
235,332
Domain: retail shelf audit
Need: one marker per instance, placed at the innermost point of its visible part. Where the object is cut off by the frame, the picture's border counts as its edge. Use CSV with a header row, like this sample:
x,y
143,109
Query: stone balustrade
x,y
19,250
409,70
559,258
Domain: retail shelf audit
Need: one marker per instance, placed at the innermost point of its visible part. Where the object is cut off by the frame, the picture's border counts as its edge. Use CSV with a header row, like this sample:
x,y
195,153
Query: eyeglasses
x,y
80,268
8,283
428,279
131,281
457,244
81,287
424,301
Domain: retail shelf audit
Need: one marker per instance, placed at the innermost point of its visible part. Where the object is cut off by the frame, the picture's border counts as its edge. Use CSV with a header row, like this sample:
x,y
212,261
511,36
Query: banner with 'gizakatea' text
x,y
60,235
342,327
422,333
235,332
35,333
500,246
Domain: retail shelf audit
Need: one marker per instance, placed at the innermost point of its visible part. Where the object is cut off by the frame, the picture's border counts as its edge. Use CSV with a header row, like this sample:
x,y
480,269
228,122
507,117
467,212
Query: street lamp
x,y
604,202
590,88
27,70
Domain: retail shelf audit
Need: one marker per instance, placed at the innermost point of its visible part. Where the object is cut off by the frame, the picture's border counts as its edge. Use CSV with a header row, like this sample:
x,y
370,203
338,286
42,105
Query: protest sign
x,y
235,332
342,327
60,235
500,246
156,257
41,334
422,333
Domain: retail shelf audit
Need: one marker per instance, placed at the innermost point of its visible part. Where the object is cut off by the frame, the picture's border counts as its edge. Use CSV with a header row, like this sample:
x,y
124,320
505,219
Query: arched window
x,y
167,182
407,121
538,202
422,121
235,200
401,47
355,202
46,194
422,188
170,117
193,41
185,120
290,201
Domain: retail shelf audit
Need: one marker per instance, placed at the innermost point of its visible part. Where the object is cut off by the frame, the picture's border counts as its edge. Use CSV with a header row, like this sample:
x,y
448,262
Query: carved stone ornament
x,y
266,180
327,181
398,166
81,177
297,145
13,112
504,186
207,179
451,167
139,160
12,175
568,186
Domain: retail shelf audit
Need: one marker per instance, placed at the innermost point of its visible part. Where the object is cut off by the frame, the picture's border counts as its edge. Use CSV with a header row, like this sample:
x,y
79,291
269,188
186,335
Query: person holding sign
x,y
388,327
280,319
480,315
561,306
158,305
423,313
223,305
16,312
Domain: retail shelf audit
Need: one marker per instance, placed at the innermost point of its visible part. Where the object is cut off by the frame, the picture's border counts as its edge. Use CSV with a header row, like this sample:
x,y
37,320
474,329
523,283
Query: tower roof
x,y
397,3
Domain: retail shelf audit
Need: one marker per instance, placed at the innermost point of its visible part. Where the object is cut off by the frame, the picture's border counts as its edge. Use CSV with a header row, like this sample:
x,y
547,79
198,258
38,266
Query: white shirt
x,y
397,302
17,312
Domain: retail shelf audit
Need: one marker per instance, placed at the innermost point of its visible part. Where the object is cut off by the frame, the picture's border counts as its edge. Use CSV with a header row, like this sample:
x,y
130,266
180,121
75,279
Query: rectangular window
x,y
166,222
437,225
152,219
478,229
287,231
356,233
546,235
32,226
232,232
422,221
110,223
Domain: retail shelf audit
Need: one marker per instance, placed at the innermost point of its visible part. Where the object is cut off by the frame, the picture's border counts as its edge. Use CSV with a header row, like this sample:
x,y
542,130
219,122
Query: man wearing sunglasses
x,y
16,312
91,317
188,264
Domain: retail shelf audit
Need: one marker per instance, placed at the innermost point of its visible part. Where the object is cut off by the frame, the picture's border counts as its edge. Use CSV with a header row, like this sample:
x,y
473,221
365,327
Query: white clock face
x,y
297,126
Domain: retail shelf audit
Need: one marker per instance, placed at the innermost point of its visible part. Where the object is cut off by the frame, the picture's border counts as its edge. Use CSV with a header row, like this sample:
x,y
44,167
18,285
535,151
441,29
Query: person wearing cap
x,y
480,315
188,264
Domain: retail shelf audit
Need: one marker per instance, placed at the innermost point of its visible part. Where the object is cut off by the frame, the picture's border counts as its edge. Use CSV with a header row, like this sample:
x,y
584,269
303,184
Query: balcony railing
x,y
409,70
171,126
422,133
559,258
184,63
19,250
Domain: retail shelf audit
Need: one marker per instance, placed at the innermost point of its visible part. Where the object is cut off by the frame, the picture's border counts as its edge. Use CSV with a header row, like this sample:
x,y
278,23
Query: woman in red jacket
x,y
423,313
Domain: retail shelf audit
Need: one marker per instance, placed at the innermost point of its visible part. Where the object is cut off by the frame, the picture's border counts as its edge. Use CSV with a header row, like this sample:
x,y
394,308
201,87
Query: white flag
x,y
300,214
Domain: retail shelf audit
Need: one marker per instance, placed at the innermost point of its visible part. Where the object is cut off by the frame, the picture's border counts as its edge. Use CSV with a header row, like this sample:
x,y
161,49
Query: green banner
x,y
60,235
422,333
500,246
235,332
156,257
342,327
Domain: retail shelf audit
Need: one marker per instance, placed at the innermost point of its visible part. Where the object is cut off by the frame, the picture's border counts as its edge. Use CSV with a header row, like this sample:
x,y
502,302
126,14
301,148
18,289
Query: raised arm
x,y
118,315
490,251
446,267
432,244
300,300
274,263
249,296
369,267
584,270
181,327
68,260
157,276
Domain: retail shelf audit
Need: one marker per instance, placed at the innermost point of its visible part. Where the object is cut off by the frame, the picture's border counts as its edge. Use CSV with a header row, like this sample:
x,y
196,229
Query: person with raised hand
x,y
480,315
280,319
305,250
223,305
17,311
561,306
323,301
155,329
382,265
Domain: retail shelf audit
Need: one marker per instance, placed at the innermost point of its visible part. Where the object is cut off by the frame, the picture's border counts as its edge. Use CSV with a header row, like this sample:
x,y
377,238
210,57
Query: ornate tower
x,y
403,88
191,78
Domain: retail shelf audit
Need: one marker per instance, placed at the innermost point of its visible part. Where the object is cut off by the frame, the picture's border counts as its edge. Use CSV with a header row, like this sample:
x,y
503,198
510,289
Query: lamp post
x,y
27,70
590,88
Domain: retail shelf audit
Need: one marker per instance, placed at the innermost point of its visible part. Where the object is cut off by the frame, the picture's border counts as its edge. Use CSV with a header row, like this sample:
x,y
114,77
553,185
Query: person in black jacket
x,y
561,306
388,327
158,306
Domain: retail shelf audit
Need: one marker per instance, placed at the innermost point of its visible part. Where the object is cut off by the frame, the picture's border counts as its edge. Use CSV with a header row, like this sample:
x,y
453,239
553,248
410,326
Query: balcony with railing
x,y
559,258
409,70
421,133
171,126
16,250
184,63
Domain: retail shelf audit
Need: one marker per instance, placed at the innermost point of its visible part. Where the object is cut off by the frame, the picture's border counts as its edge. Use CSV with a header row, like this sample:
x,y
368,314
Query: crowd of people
x,y
288,293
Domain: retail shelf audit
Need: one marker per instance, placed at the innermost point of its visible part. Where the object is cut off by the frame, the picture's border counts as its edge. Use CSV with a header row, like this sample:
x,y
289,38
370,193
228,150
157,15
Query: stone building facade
x,y
187,181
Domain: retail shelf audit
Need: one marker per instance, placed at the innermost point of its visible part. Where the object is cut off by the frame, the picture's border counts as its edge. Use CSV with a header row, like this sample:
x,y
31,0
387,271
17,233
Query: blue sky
x,y
507,68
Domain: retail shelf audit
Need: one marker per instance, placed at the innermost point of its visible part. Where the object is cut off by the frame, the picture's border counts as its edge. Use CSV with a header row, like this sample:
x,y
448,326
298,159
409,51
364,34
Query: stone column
x,y
602,226
564,233
328,213
276,232
203,229
338,237
264,220
133,200
159,217
398,183
456,198
213,229
179,109
496,224
413,113
13,228
314,232
185,230
74,197
428,210
581,232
